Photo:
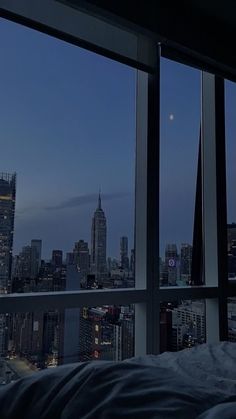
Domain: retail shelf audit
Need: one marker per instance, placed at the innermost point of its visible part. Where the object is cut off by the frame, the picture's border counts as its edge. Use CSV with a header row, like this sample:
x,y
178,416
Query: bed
x,y
194,383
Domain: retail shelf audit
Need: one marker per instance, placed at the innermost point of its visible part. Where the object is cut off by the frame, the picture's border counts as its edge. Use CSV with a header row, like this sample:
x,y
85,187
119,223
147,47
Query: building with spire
x,y
98,241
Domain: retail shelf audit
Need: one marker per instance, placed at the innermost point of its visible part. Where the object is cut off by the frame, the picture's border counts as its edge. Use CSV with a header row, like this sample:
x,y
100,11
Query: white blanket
x,y
192,384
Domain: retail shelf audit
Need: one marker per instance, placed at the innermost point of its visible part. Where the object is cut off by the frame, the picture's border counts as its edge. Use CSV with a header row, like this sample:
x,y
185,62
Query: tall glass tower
x,y
98,241
7,215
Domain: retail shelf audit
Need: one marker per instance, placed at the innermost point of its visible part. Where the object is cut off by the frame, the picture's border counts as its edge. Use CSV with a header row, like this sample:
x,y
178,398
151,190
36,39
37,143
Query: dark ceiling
x,y
204,29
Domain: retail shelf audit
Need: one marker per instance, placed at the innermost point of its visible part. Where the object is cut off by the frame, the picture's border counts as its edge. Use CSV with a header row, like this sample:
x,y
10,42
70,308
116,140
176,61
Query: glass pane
x,y
180,128
34,341
232,319
182,324
67,165
230,126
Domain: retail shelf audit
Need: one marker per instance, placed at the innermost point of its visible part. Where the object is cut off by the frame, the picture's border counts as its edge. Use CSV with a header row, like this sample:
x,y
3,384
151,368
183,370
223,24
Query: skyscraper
x,y
132,262
98,241
36,250
72,318
124,259
57,256
7,214
186,261
81,257
171,264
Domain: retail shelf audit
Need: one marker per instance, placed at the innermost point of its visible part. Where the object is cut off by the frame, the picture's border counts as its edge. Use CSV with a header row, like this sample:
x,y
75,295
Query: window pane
x,y
180,130
232,319
230,125
68,132
34,341
182,324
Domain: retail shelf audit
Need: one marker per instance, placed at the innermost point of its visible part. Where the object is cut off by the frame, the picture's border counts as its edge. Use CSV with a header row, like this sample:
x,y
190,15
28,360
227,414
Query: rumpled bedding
x,y
197,383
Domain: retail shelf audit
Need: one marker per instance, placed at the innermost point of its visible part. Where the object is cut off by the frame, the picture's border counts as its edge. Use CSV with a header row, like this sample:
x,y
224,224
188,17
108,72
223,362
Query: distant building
x,y
36,251
72,319
171,270
106,333
70,258
186,262
98,242
112,264
165,329
231,234
7,214
23,265
96,335
132,262
27,264
81,258
57,257
124,259
188,324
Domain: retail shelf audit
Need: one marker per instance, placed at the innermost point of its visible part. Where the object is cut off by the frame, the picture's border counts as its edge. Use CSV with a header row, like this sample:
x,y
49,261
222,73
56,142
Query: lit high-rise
x,y
98,241
7,215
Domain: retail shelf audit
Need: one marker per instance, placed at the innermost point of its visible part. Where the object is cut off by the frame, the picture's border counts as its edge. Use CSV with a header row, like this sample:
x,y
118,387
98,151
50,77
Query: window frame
x,y
141,53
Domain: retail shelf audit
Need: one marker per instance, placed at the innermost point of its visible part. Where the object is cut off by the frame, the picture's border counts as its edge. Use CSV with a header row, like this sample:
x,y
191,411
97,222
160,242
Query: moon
x,y
171,117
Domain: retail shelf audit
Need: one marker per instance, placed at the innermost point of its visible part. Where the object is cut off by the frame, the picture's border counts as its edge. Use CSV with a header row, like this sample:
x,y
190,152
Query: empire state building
x,y
98,241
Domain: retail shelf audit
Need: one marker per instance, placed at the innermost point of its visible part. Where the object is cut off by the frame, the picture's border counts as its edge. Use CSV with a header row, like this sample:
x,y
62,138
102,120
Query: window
x,y
161,312
230,101
179,147
71,157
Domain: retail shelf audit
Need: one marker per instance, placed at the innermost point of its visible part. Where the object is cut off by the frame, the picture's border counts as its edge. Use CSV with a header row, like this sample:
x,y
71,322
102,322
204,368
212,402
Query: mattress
x,y
194,383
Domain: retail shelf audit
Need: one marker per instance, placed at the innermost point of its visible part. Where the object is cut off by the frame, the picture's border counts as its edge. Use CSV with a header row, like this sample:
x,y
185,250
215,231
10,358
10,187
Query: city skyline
x,y
66,130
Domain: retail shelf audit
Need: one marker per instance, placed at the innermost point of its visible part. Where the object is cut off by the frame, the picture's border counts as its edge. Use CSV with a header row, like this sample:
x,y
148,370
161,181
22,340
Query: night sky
x,y
68,129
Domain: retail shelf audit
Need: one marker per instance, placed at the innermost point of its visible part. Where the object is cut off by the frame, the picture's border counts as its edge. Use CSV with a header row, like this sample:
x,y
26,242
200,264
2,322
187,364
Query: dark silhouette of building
x,y
132,262
186,262
124,259
7,215
36,251
81,258
170,273
57,256
98,242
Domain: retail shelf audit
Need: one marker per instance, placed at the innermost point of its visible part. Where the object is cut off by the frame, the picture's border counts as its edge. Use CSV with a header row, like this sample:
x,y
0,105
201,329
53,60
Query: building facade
x,y
124,259
99,242
81,258
171,268
186,262
7,215
57,258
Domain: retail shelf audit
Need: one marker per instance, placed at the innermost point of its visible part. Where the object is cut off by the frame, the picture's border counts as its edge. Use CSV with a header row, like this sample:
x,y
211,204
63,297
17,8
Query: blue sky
x,y
68,129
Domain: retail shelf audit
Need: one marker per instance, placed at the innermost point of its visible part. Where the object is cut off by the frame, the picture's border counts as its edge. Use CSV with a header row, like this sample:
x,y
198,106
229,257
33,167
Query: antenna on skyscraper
x,y
99,199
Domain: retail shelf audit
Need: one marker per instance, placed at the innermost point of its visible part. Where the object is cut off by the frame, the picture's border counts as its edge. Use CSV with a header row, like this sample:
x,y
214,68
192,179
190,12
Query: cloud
x,y
78,201
74,202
